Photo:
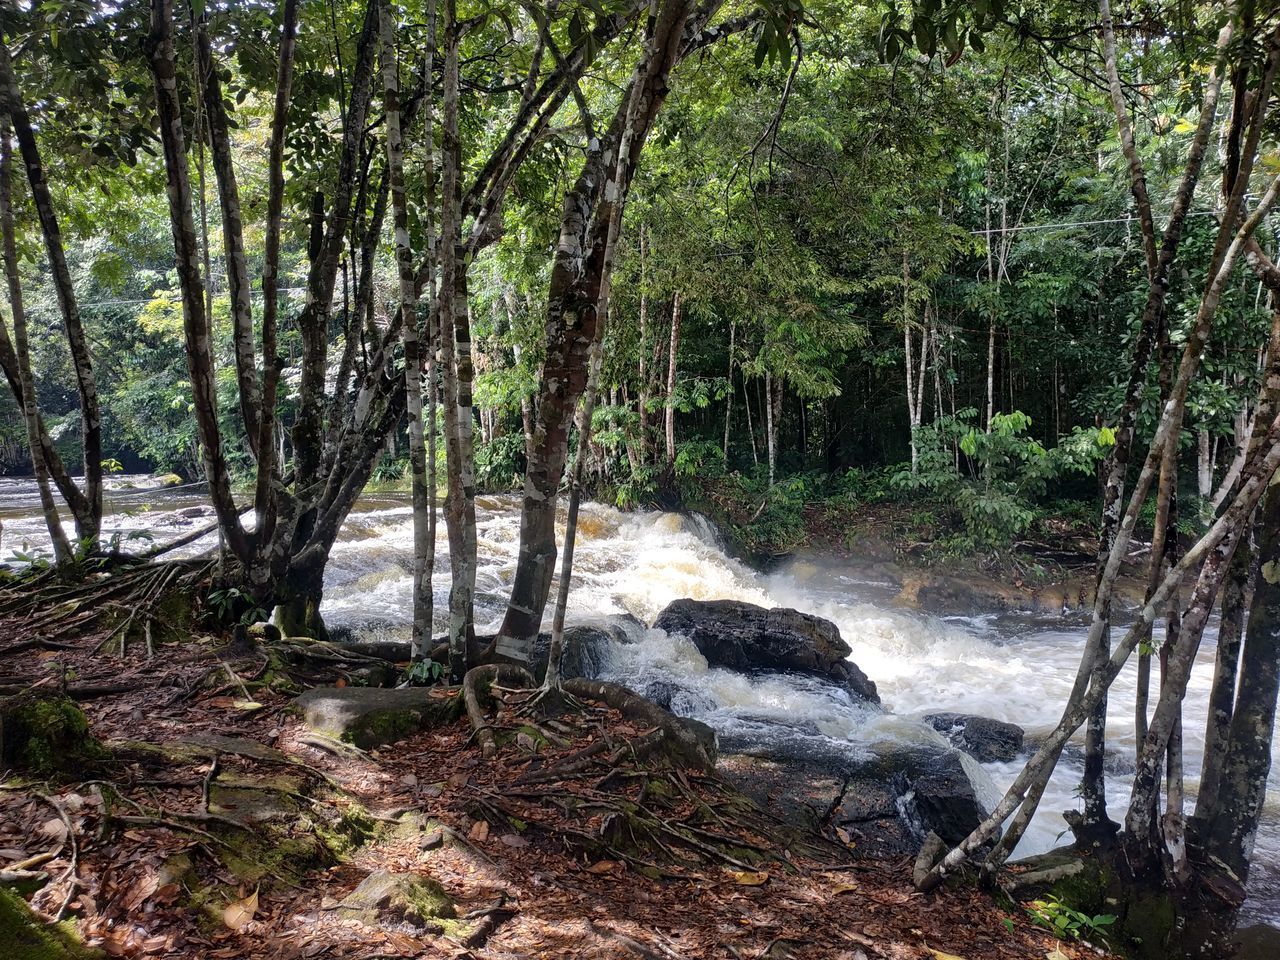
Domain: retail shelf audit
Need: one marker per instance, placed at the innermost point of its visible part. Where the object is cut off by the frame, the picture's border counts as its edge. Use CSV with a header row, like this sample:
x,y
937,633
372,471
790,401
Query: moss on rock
x,y
370,717
398,897
46,735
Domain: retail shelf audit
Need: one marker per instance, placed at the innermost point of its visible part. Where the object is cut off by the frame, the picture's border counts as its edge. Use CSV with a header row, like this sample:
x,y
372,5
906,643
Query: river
x,y
1014,667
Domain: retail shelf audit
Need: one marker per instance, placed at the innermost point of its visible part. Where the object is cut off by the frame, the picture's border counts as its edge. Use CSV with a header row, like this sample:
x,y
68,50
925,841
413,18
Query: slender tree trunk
x,y
1204,464
233,239
751,430
771,438
269,463
88,518
456,356
420,639
644,347
673,351
198,336
728,395
22,350
433,318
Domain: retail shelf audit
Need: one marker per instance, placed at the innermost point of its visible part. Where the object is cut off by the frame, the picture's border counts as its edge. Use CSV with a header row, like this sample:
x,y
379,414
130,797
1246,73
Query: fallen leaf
x,y
1056,954
239,913
840,888
54,828
248,706
479,831
514,840
750,878
604,866
939,955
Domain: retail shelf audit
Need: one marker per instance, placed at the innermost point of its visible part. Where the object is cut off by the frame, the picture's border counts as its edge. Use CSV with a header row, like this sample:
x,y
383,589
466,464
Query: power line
x,y
1075,223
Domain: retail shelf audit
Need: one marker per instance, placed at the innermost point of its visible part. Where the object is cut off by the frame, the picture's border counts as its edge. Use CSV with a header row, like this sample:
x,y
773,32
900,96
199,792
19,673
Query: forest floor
x,y
216,825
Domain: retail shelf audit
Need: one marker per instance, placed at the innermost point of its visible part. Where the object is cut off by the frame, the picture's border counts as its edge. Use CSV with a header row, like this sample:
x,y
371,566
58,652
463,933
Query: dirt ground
x,y
239,833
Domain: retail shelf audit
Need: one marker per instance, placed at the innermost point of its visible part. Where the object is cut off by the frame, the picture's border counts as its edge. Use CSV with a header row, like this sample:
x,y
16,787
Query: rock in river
x,y
743,636
984,739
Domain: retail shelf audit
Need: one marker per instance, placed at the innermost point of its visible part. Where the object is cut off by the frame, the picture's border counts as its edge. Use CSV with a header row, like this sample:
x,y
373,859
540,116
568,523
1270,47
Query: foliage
x,y
993,477
1068,923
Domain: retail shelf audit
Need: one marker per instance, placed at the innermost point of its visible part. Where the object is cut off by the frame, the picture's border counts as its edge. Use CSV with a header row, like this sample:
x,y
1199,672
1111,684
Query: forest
x,y
639,478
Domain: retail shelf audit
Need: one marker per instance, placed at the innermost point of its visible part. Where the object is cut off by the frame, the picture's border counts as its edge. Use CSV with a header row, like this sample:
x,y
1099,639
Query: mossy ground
x,y
23,936
46,736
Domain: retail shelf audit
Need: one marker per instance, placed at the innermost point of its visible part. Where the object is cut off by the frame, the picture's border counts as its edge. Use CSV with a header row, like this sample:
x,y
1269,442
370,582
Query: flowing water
x,y
1011,667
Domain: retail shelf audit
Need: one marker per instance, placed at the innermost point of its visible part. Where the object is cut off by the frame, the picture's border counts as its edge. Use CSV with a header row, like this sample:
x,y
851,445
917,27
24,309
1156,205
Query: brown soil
x,y
536,866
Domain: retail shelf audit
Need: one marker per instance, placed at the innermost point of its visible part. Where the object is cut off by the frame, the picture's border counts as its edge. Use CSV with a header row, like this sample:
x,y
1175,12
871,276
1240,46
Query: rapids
x,y
1013,667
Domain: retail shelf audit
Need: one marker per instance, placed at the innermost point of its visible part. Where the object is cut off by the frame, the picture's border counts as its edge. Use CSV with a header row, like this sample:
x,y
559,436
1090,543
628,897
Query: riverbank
x,y
217,821
916,544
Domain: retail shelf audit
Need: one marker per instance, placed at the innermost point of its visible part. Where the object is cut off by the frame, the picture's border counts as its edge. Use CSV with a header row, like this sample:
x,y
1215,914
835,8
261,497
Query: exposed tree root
x,y
475,688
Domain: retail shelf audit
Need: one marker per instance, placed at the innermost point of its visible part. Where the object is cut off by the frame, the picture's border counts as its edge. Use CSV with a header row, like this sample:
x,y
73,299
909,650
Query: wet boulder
x,y
984,739
743,636
371,716
896,799
586,646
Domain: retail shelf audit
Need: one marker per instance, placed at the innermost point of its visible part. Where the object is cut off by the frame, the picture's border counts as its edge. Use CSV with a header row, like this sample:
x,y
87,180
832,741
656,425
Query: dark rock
x,y
586,646
370,716
885,806
936,794
984,739
743,636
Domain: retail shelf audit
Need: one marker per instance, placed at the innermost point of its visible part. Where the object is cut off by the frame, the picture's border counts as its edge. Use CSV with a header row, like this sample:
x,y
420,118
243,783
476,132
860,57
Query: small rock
x,y
432,840
398,897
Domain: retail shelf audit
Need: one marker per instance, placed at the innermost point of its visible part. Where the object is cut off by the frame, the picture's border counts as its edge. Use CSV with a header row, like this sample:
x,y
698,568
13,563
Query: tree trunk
x,y
233,240
728,394
198,336
579,270
673,351
420,638
770,430
644,346
88,518
269,463
1204,464
22,353
313,321
1231,828
455,335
